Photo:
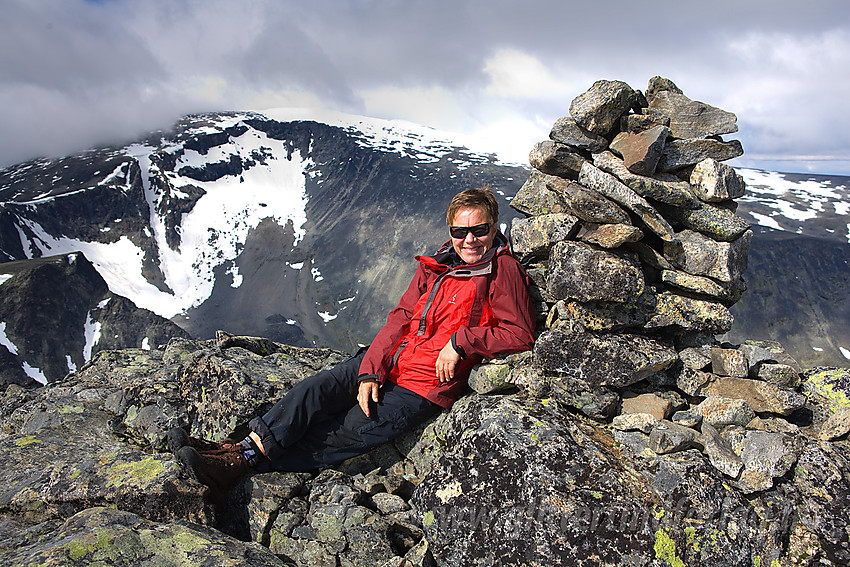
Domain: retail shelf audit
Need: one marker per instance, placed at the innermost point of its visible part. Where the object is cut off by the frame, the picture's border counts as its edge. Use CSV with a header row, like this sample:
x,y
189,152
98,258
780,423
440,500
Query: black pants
x,y
318,423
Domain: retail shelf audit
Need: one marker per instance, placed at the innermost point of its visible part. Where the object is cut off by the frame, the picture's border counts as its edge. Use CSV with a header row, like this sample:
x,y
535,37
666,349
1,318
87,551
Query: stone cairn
x,y
636,253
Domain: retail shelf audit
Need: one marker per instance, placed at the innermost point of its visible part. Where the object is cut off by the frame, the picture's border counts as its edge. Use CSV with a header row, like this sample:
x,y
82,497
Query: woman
x,y
467,302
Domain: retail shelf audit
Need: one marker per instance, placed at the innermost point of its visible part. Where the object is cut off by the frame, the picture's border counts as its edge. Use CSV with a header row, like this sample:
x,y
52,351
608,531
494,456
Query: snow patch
x,y
70,363
92,332
4,340
317,275
326,317
296,266
4,278
845,352
34,373
237,277
146,344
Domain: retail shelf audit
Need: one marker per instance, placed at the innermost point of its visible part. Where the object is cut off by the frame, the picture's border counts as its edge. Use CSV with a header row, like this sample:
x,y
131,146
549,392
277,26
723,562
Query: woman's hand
x,y
367,391
446,362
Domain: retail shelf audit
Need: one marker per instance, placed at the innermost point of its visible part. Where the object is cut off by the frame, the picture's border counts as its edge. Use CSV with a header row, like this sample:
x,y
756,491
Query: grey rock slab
x,y
692,119
611,187
729,362
683,153
700,255
555,159
566,131
608,235
717,221
664,188
720,452
837,426
643,422
602,359
761,396
599,108
669,309
766,456
668,437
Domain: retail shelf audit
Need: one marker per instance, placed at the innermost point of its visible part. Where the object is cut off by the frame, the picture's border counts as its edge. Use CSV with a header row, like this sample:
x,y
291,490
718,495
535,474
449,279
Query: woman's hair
x,y
476,198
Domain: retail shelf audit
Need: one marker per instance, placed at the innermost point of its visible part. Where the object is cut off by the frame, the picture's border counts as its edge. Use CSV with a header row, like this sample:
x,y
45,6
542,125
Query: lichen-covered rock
x,y
608,235
662,188
107,536
699,255
579,271
602,359
761,396
534,236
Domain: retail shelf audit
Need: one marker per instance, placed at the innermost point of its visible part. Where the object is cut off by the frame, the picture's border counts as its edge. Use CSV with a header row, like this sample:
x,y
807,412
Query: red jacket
x,y
484,307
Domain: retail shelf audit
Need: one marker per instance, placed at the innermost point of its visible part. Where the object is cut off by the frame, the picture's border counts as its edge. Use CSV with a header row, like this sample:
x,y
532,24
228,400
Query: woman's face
x,y
472,248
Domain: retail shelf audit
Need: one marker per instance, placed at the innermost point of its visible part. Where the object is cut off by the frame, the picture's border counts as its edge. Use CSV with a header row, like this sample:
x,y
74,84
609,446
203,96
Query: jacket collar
x,y
446,256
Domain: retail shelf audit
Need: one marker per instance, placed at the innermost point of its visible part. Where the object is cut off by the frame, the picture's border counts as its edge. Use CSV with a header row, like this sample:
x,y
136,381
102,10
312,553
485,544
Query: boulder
x,y
670,309
649,403
668,437
765,456
837,426
641,151
608,235
720,452
109,536
566,131
599,109
714,182
657,85
555,159
728,362
611,187
692,119
717,411
700,255
579,271
536,198
639,122
534,236
643,422
761,396
602,359
683,153
727,293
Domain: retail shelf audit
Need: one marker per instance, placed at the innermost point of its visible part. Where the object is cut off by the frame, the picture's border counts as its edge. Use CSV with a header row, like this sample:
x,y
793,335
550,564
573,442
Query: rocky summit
x,y
629,436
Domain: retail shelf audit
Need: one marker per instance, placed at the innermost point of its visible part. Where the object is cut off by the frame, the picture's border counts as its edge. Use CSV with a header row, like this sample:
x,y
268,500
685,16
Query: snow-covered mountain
x,y
301,231
302,228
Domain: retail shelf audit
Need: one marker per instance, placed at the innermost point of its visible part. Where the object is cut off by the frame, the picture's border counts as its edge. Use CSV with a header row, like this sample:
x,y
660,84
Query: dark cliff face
x,y
57,311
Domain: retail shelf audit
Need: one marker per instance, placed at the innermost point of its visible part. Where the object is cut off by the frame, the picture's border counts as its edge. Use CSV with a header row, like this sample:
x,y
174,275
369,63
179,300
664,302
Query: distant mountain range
x,y
303,229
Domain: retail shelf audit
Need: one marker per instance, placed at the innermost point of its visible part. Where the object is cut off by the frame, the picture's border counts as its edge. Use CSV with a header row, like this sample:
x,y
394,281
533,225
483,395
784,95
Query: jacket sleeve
x,y
512,308
378,358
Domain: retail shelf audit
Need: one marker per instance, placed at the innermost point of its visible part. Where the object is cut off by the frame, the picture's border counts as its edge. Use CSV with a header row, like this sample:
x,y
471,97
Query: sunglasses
x,y
477,231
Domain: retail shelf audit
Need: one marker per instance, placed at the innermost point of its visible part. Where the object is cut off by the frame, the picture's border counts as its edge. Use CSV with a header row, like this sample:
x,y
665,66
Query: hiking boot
x,y
219,471
178,438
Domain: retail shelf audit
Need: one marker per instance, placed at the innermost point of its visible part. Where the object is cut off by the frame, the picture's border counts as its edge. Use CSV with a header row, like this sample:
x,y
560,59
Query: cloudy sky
x,y
76,73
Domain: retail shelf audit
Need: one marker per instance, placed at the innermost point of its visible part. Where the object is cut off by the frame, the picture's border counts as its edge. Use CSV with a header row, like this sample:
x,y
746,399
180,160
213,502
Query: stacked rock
x,y
632,241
